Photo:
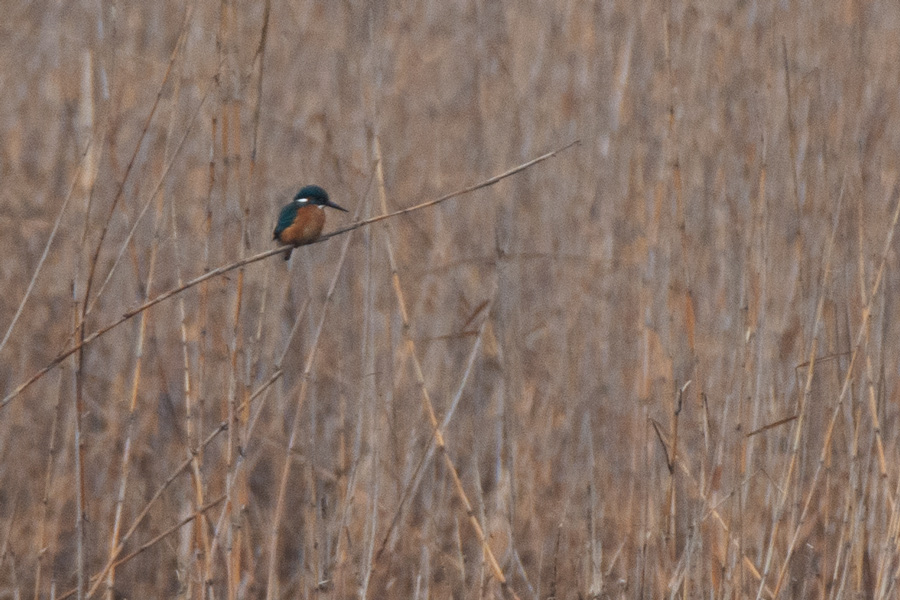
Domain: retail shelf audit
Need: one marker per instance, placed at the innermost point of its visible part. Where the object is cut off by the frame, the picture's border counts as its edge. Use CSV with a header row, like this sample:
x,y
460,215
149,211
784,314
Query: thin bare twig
x,y
261,256
62,209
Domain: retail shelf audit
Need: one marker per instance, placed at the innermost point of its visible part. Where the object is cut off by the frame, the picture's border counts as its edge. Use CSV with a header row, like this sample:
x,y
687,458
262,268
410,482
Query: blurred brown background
x,y
620,337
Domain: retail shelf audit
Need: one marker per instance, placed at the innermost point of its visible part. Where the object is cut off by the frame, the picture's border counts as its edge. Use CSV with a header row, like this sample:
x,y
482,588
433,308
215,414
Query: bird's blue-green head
x,y
313,194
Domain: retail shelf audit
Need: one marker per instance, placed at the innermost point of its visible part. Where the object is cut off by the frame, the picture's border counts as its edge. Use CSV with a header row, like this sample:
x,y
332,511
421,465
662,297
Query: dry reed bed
x,y
659,363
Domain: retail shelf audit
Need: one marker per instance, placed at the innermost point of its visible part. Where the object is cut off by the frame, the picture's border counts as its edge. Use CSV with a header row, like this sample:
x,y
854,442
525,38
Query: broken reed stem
x,y
781,503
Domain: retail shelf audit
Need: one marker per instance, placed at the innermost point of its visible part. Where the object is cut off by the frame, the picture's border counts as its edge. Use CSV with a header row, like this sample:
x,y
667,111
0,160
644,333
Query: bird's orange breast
x,y
306,227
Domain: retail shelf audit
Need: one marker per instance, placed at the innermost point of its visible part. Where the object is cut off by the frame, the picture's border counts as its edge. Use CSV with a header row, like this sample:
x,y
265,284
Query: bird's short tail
x,y
287,255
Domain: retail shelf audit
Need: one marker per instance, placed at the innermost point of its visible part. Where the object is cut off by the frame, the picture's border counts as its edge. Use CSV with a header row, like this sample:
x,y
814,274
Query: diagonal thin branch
x,y
37,270
261,256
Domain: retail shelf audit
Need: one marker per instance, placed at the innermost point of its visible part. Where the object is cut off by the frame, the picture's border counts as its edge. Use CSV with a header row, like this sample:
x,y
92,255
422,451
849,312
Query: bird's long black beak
x,y
333,205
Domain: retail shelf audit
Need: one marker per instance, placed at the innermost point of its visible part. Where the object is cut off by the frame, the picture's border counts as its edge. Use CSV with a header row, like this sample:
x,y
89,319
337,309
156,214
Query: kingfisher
x,y
301,221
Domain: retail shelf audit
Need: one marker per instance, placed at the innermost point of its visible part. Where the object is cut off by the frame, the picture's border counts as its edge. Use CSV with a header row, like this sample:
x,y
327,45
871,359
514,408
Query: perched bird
x,y
301,221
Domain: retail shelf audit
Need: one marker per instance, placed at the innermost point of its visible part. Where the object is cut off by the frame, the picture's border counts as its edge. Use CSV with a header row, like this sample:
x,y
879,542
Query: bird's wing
x,y
285,218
